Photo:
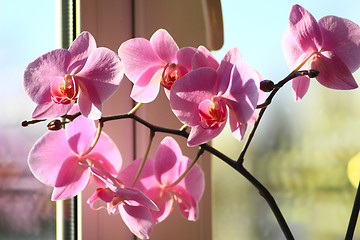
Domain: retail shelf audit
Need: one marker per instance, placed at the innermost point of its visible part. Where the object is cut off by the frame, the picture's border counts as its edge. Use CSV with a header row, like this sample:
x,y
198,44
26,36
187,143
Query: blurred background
x,y
300,151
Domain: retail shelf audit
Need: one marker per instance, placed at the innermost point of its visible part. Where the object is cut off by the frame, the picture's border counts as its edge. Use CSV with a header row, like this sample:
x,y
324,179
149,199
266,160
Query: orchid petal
x,y
187,204
138,219
45,161
300,86
164,45
333,72
189,91
184,57
199,135
149,92
138,56
342,36
163,200
71,179
305,29
194,181
167,161
80,133
80,50
237,129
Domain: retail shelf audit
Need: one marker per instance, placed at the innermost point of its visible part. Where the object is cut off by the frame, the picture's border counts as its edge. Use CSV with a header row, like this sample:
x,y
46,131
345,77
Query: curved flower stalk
x,y
132,205
149,64
83,73
330,45
55,158
158,181
205,98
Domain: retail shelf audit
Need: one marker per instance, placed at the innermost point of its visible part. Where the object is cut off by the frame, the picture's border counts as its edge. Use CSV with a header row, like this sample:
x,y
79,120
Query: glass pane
x,y
301,150
27,30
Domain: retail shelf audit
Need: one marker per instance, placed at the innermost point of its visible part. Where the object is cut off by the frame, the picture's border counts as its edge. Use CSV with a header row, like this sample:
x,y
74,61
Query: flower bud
x,y
313,73
267,85
55,125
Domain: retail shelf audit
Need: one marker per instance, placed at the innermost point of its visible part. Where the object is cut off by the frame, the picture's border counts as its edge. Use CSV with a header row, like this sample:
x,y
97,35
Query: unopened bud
x,y
266,85
313,73
55,125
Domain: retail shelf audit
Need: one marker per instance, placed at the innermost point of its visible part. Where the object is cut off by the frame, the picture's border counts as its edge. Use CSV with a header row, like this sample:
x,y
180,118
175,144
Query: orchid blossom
x,y
159,180
133,205
204,98
56,157
83,73
149,64
331,46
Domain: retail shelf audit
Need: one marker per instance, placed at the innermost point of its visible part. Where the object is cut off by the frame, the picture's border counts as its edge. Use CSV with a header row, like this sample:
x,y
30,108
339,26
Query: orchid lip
x,y
171,73
64,90
212,113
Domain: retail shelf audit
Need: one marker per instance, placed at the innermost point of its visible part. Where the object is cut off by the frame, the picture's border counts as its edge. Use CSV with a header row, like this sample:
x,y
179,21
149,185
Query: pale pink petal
x,y
106,155
51,110
238,129
342,37
305,29
199,135
150,91
167,161
184,57
100,77
138,219
80,133
189,91
71,179
38,77
135,197
290,49
300,85
163,200
194,181
147,178
164,45
208,57
138,56
231,58
333,72
243,92
104,194
47,156
80,50
187,204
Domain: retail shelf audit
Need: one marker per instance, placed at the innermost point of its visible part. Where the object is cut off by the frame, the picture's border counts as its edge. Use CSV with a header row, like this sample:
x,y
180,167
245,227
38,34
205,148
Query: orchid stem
x,y
97,136
135,108
152,134
354,216
199,153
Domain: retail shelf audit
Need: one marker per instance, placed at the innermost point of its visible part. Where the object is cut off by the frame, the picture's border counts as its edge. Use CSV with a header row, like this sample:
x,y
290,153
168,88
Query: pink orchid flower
x,y
331,46
132,205
204,98
55,158
158,181
149,64
83,73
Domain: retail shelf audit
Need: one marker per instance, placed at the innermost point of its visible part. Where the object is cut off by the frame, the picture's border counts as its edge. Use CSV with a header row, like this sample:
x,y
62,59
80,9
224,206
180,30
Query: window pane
x,y
27,30
301,150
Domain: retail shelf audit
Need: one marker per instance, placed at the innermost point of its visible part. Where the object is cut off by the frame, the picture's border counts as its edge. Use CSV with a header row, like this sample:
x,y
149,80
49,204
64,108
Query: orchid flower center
x,y
212,112
64,89
171,73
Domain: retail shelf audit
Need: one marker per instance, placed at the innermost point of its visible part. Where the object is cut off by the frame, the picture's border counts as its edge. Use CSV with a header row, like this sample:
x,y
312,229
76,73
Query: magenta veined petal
x,y
149,92
305,29
163,200
199,135
187,204
164,45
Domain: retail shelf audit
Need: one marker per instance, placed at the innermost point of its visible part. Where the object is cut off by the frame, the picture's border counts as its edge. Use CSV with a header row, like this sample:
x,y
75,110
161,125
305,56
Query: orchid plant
x,y
69,87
